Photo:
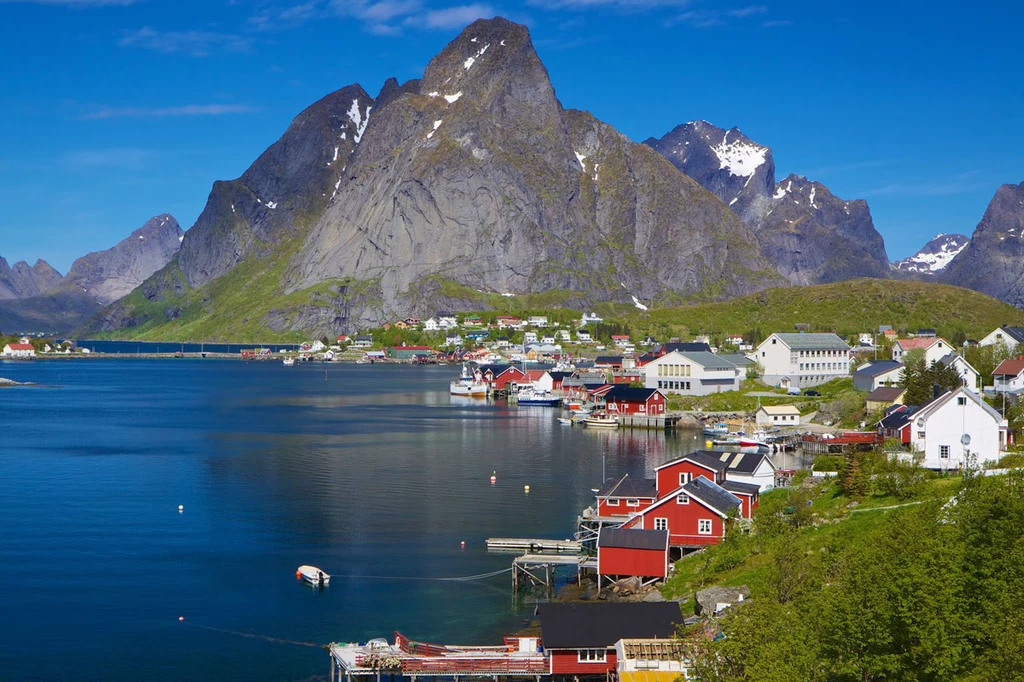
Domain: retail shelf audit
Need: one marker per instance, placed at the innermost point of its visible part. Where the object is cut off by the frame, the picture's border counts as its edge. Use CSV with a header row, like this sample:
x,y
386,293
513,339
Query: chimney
x,y
937,391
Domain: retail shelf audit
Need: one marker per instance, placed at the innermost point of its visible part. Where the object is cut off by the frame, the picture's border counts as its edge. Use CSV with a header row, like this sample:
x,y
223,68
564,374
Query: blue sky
x,y
116,110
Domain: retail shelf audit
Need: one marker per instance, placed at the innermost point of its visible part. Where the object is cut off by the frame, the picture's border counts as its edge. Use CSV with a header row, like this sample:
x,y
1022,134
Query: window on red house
x,y
593,655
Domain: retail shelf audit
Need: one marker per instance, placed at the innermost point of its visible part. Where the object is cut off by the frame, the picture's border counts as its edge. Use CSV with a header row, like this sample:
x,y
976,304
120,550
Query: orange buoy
x,y
181,618
462,544
298,575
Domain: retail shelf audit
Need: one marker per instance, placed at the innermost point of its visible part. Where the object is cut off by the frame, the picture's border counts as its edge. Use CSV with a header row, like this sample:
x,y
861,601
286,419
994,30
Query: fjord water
x,y
368,471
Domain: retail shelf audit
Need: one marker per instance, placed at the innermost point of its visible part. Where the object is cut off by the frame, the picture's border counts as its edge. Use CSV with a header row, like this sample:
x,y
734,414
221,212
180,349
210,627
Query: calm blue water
x,y
373,471
169,347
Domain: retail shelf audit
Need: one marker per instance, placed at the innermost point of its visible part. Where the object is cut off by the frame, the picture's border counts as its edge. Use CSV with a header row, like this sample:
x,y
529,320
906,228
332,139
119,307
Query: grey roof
x,y
738,359
629,487
708,360
747,463
744,488
685,347
827,341
632,538
877,368
1016,333
712,494
898,417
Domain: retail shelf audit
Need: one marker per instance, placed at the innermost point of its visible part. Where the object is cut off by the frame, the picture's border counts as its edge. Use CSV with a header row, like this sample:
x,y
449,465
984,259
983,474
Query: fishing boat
x,y
601,421
288,362
528,395
718,429
313,575
565,421
469,384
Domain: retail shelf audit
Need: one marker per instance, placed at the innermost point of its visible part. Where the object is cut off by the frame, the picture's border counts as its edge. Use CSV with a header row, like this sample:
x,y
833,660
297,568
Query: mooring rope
x,y
462,579
267,638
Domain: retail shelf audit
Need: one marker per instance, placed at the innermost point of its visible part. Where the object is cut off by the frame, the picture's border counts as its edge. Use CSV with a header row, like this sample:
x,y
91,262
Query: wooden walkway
x,y
534,545
527,569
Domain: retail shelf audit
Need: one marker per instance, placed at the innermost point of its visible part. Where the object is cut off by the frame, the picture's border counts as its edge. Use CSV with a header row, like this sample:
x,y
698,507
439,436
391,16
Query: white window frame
x,y
661,521
682,498
705,527
632,503
613,502
685,477
943,452
592,655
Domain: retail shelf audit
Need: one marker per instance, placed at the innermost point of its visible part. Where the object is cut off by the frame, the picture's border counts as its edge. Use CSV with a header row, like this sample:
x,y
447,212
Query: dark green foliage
x,y
930,591
921,381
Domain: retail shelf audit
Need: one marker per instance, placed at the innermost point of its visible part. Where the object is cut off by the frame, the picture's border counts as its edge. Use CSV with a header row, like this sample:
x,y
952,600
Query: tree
x,y
852,478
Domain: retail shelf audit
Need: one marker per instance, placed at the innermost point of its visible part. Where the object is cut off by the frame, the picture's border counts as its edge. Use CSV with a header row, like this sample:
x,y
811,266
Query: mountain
x,y
109,275
993,261
934,256
810,235
24,280
39,299
472,177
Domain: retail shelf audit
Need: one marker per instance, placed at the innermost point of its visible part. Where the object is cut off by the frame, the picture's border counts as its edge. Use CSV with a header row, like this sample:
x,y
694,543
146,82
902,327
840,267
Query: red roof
x,y
535,374
21,346
922,342
1010,367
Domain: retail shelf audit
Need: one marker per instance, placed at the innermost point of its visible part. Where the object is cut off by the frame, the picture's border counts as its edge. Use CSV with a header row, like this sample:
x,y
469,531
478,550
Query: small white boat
x,y
564,422
313,575
528,395
288,362
608,422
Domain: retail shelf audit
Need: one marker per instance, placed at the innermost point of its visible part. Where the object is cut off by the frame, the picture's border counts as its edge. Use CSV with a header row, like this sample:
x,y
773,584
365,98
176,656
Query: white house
x,y
588,318
751,468
697,373
529,337
362,341
934,348
453,339
954,424
802,360
872,375
583,335
446,320
547,340
431,325
968,375
777,415
1008,336
19,350
1008,377
564,335
538,321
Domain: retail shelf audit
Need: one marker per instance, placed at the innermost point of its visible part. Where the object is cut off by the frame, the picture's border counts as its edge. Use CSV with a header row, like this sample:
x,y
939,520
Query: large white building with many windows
x,y
802,360
698,373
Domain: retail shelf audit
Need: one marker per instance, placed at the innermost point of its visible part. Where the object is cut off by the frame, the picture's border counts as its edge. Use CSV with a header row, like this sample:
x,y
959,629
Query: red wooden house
x,y
622,399
694,515
625,552
580,637
749,496
714,466
626,496
500,376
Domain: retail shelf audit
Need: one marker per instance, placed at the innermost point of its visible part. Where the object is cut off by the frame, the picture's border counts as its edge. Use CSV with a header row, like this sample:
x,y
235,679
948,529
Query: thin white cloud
x,y
194,43
748,11
962,183
456,17
114,158
166,112
629,5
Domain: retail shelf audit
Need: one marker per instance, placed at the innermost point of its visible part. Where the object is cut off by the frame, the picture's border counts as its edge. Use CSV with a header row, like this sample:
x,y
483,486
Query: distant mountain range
x,y
39,299
934,257
474,179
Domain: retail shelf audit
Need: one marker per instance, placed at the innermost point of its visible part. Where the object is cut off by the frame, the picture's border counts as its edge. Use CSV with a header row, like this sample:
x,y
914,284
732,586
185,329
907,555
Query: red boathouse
x,y
623,553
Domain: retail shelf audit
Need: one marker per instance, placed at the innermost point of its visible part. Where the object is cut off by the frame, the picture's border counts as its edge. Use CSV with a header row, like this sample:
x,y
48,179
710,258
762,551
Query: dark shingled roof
x,y
1015,333
629,487
632,538
898,418
688,347
711,493
608,360
623,392
888,394
598,625
746,463
744,488
877,368
706,458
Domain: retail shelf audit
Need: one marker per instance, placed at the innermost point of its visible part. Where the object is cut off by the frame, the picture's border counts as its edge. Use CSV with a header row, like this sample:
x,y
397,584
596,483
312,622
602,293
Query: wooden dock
x,y
534,545
640,421
841,443
526,569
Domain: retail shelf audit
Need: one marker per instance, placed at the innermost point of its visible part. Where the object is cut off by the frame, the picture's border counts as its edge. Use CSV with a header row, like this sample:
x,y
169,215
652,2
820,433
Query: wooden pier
x,y
539,569
841,443
533,545
640,421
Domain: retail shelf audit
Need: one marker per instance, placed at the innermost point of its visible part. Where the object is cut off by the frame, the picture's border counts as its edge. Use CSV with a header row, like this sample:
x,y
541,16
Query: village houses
x,y
1010,337
777,415
803,360
933,348
19,350
1008,377
872,375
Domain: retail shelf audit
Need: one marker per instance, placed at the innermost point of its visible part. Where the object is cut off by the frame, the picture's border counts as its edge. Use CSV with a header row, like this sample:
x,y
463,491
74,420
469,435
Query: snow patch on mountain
x,y
739,157
936,254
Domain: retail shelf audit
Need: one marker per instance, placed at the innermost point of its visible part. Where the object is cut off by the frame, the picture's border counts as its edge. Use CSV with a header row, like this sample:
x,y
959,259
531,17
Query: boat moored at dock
x,y
469,384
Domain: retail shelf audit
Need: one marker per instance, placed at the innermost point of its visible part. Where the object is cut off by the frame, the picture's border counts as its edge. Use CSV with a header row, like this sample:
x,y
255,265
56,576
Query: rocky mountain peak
x,y
24,280
108,275
993,260
727,163
934,256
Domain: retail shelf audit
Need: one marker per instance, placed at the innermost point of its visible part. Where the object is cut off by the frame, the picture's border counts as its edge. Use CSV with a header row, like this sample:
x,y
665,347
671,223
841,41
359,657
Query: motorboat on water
x,y
530,395
719,429
314,576
288,362
601,421
564,421
470,384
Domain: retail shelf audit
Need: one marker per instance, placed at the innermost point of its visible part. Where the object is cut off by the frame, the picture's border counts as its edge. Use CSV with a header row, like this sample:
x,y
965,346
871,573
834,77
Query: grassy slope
x,y
241,298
